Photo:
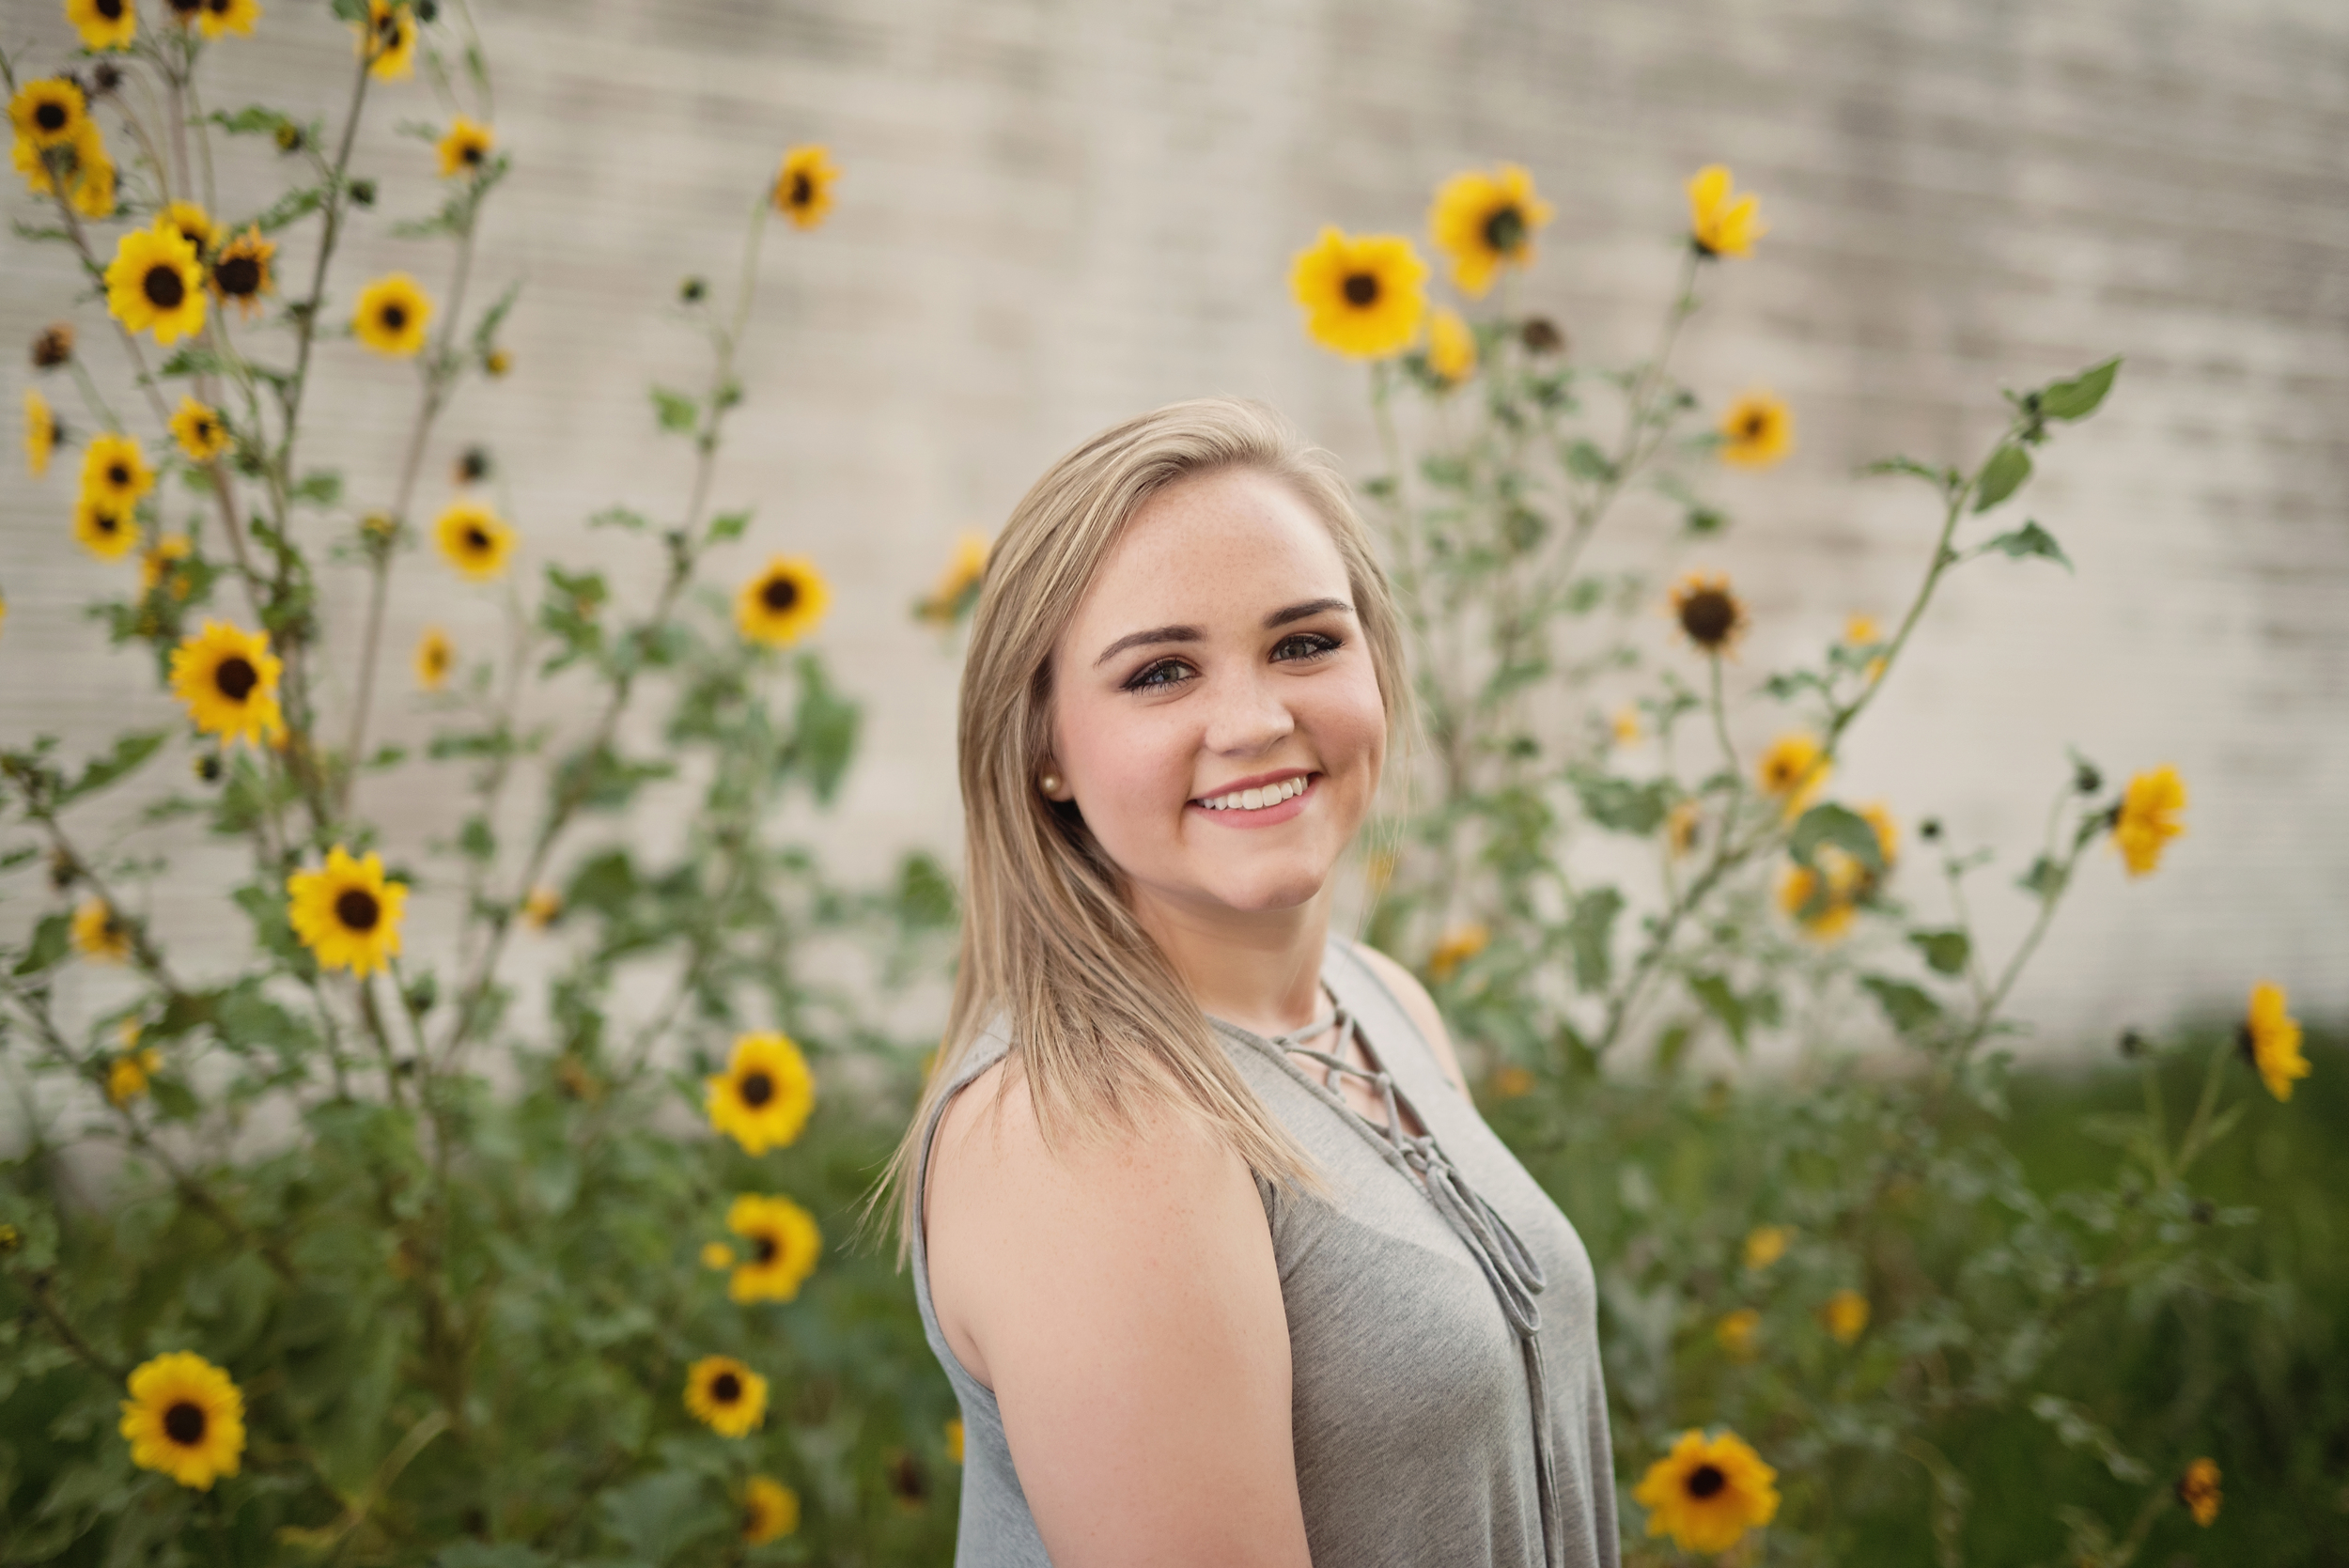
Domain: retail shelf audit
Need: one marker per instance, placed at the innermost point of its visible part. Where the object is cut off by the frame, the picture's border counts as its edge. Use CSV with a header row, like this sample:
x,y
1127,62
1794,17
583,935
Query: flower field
x,y
539,1237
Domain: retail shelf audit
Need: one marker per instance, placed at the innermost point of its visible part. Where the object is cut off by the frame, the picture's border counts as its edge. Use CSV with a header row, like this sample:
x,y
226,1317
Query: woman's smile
x,y
1261,800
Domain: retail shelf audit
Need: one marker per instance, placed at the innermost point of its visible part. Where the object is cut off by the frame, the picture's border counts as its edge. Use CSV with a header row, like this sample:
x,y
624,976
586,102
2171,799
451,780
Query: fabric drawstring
x,y
1510,1269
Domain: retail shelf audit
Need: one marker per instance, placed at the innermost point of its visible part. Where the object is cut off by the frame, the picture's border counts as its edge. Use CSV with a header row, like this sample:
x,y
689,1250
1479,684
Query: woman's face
x,y
1218,660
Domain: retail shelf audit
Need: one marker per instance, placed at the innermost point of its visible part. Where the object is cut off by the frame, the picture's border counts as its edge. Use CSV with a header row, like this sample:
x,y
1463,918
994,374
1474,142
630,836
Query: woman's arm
x,y
1123,1303
1422,1008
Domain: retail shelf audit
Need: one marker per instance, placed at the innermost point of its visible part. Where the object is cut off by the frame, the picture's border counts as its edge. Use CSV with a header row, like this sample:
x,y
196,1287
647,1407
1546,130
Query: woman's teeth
x,y
1256,799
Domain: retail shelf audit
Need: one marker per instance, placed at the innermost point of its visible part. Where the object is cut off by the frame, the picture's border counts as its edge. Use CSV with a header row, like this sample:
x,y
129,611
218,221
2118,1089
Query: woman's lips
x,y
1262,816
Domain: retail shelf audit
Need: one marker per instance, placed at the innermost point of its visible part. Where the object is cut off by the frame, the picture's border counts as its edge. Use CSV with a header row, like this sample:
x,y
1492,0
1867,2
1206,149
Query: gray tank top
x,y
1446,1404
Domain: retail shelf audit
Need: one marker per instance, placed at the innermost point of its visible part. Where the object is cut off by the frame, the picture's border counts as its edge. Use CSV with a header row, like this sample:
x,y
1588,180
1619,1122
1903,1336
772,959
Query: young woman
x,y
1221,1262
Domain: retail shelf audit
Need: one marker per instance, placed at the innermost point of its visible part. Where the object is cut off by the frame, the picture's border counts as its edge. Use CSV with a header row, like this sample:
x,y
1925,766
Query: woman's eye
x,y
1166,671
1305,644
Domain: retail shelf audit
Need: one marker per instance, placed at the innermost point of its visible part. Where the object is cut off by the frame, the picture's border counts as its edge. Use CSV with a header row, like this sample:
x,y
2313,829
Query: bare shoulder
x,y
1121,1298
1422,1008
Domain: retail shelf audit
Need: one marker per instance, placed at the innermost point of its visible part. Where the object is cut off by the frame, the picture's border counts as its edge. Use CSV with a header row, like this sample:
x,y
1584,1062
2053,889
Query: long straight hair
x,y
1100,1025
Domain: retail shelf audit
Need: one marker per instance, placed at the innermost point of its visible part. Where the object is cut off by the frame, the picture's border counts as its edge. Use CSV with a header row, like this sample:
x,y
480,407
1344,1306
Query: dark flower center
x,y
725,1388
107,522
765,1250
119,476
220,8
472,153
803,190
163,287
757,1088
2246,1042
1361,290
239,275
183,1423
386,28
1505,231
1707,616
203,432
394,319
110,10
779,594
1756,424
50,117
187,7
236,677
357,908
476,539
1705,1480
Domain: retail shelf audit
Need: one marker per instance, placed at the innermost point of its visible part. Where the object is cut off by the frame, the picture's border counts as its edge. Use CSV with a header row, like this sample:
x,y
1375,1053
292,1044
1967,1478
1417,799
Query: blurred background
x,y
1053,215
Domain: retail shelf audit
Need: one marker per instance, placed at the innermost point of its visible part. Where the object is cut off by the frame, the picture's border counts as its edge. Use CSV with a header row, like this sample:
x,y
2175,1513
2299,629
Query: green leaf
x,y
1589,937
2045,879
253,120
1945,951
619,517
676,411
1911,1008
1670,1046
729,526
824,729
322,489
1586,461
2001,476
657,1515
2029,540
129,752
474,840
291,208
607,883
1445,473
1621,805
1840,825
1714,994
925,894
2079,396
1940,477
52,936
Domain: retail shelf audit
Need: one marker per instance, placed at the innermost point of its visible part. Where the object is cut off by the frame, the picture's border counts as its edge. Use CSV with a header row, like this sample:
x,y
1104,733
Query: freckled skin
x,y
1219,553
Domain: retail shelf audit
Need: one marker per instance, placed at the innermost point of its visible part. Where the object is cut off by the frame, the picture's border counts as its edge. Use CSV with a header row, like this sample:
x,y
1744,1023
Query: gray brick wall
x,y
1056,214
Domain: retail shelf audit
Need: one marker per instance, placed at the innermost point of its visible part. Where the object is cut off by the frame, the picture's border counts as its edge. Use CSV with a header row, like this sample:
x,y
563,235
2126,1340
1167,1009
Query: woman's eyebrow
x,y
1193,634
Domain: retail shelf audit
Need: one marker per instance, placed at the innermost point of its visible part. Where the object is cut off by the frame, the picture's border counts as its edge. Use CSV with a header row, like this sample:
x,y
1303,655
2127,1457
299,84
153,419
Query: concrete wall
x,y
1055,214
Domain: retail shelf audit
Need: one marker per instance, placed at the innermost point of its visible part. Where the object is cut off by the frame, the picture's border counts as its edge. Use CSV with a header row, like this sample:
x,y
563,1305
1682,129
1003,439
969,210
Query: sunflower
x,y
1711,615
99,934
763,1097
2199,1490
1757,431
954,1439
41,431
1707,1492
770,1511
127,1074
387,40
240,273
717,1254
49,112
346,913
391,316
1794,768
104,23
229,16
1888,831
435,655
497,362
1765,1245
2147,819
228,679
155,283
783,1241
542,908
1625,725
1861,632
783,603
1361,293
1451,347
202,435
1845,1316
1822,905
803,185
93,193
958,587
1682,825
190,223
1513,1082
465,148
105,530
1718,223
725,1395
1456,947
184,1417
159,563
1736,1333
54,347
1485,222
2269,1038
114,470
474,540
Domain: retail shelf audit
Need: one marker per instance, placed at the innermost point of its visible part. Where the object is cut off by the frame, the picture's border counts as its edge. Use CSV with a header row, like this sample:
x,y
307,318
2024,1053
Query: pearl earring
x,y
1050,783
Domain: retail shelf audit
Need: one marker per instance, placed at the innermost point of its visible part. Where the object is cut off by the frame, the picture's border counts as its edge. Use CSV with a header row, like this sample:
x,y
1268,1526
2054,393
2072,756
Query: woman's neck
x,y
1260,970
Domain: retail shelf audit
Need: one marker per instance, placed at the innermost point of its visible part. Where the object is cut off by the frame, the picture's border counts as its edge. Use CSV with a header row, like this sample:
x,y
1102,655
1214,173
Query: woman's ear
x,y
1050,782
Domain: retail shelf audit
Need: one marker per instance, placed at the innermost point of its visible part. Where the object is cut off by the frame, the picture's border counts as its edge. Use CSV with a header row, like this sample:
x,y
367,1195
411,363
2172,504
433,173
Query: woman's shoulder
x,y
1417,1005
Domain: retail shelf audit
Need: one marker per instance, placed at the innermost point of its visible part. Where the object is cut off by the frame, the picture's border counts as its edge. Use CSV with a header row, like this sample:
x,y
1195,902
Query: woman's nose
x,y
1248,713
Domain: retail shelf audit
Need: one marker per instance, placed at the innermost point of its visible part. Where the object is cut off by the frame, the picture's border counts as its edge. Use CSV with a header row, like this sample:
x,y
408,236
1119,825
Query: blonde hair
x,y
1101,1024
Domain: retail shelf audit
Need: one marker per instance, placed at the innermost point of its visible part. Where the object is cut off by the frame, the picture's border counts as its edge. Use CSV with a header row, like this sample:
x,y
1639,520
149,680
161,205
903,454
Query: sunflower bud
x,y
11,1239
2132,1044
1930,830
207,767
363,193
905,1480
692,290
497,362
428,11
105,79
54,347
63,871
2086,779
2204,1211
288,137
379,529
1542,335
473,465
